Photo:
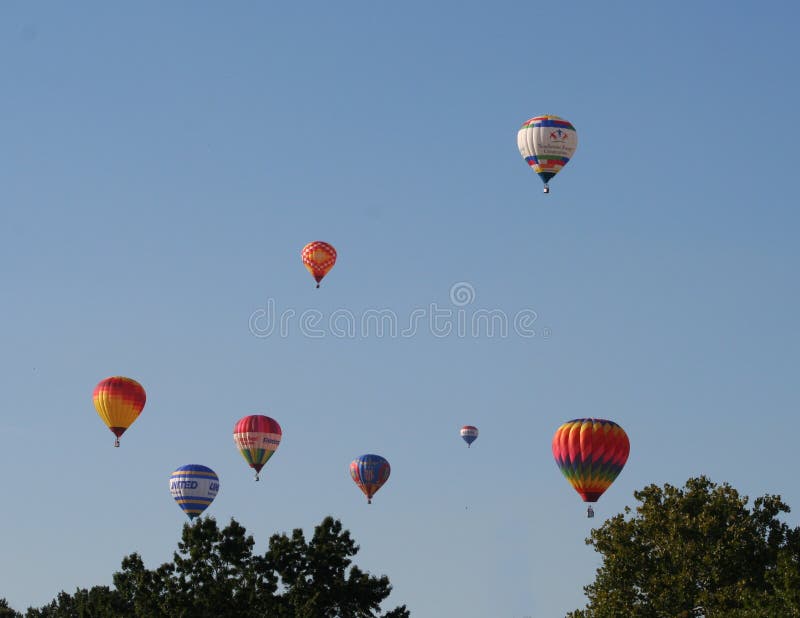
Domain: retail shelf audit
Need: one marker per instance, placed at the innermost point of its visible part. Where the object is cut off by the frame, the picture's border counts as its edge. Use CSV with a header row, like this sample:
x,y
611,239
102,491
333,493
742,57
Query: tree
x,y
213,569
696,552
96,602
6,611
215,574
315,580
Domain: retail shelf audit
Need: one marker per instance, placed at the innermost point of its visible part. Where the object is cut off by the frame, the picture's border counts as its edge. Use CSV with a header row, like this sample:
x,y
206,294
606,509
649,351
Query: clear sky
x,y
162,165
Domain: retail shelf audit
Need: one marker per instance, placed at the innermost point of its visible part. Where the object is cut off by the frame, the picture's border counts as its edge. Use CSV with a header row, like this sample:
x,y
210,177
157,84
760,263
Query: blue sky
x,y
162,166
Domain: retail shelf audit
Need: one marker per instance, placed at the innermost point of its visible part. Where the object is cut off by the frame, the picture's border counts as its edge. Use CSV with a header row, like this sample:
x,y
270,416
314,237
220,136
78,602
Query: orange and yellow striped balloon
x,y
318,257
119,401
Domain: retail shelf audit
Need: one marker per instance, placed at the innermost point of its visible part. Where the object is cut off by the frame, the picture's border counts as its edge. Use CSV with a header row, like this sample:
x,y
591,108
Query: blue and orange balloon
x,y
194,488
370,472
257,437
590,452
469,434
119,401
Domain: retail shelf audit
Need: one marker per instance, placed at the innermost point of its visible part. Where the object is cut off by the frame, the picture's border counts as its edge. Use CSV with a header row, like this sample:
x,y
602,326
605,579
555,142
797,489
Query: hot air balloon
x,y
257,437
119,401
318,257
591,453
194,487
469,434
370,472
547,143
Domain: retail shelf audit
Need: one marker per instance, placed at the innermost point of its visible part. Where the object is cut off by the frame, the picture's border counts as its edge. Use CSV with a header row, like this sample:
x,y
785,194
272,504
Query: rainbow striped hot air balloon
x,y
119,401
257,437
591,453
370,472
547,144
194,488
469,434
318,258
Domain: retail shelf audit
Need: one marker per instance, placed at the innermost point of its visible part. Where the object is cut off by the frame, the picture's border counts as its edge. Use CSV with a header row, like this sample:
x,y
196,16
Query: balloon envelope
x,y
591,453
370,472
257,437
194,488
318,258
119,401
469,433
547,143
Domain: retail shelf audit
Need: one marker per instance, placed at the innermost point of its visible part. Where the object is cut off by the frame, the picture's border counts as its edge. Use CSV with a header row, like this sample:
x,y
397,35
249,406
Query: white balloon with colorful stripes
x,y
547,144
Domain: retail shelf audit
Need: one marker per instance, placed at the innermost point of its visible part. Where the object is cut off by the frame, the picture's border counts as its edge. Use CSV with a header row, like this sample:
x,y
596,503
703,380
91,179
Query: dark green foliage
x,y
214,574
6,611
314,576
696,551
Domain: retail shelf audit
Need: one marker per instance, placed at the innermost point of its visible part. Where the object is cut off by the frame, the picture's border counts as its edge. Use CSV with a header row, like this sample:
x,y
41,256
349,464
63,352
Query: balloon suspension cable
x,y
116,442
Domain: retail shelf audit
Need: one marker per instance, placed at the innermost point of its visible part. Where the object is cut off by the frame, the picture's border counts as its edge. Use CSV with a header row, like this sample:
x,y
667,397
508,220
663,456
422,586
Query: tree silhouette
x,y
215,574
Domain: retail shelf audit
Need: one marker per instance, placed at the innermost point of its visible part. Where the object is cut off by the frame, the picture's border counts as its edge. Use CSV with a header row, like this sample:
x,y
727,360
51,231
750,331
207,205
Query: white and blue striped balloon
x,y
194,488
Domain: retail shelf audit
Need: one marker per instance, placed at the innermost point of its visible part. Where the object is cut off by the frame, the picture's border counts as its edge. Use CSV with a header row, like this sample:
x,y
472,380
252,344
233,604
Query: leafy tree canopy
x,y
215,574
696,551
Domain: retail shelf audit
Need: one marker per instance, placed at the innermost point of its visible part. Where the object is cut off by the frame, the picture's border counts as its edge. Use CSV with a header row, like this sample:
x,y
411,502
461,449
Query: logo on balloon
x,y
183,485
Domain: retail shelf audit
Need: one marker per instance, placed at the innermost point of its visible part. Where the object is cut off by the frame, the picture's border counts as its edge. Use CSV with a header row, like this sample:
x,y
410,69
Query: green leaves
x,y
315,579
215,574
694,551
6,611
